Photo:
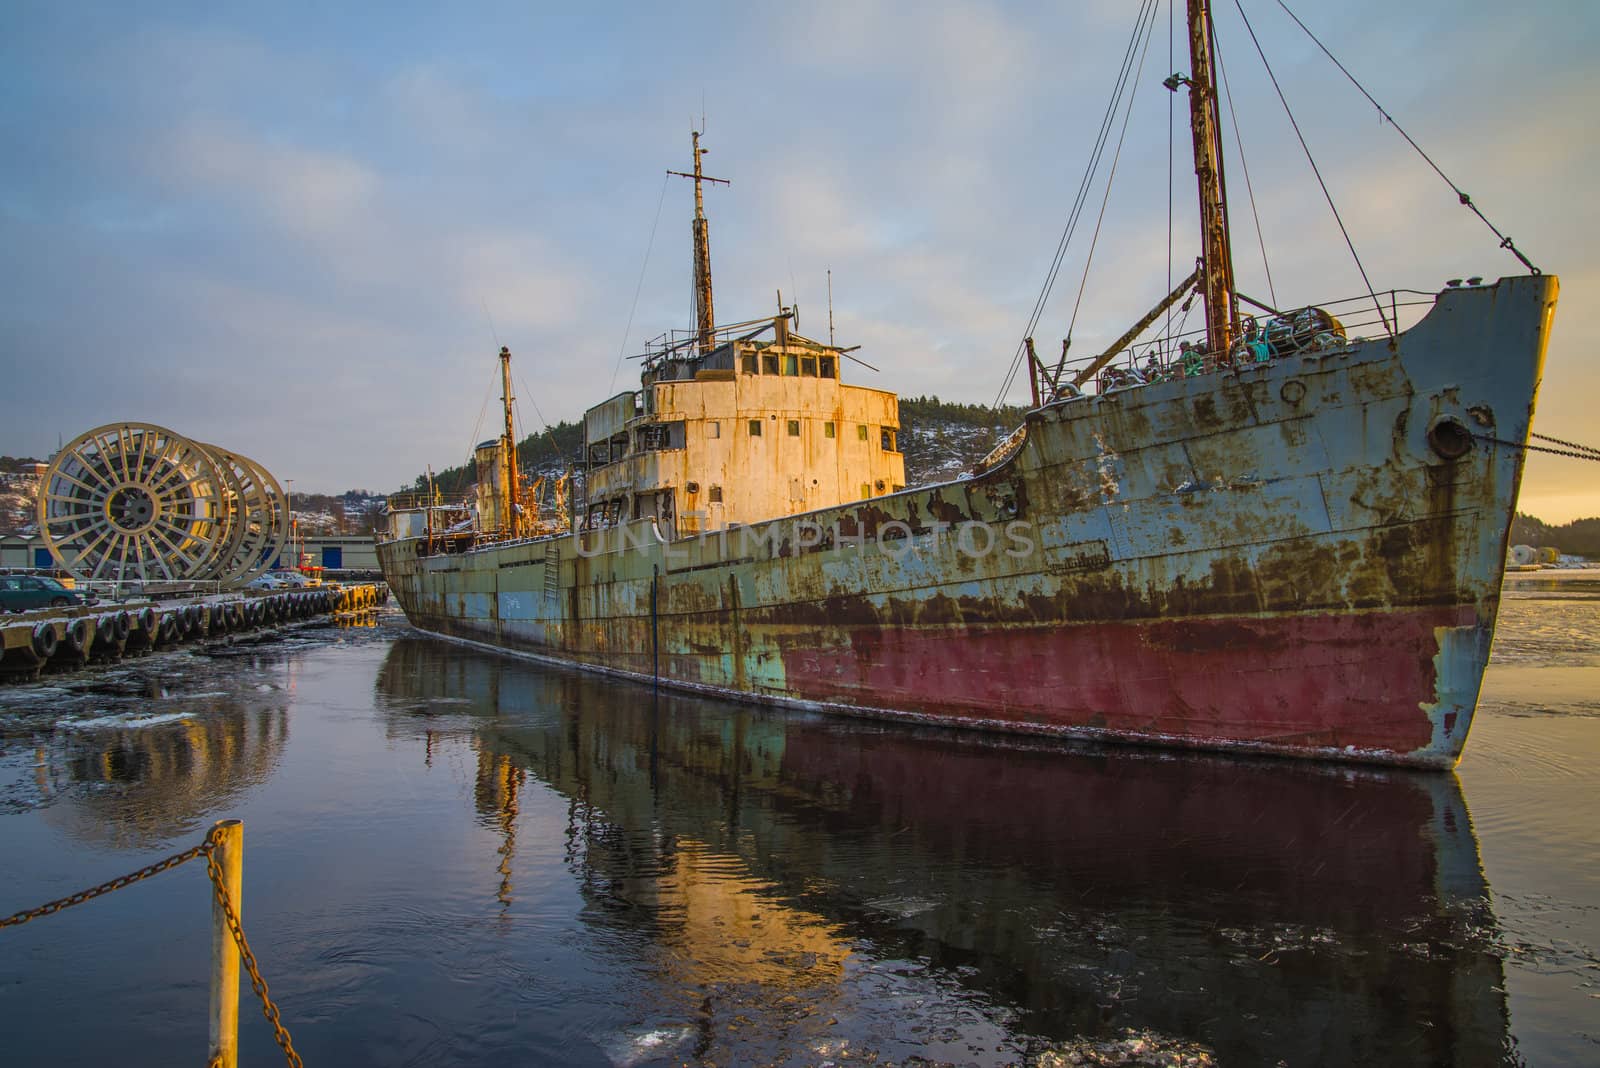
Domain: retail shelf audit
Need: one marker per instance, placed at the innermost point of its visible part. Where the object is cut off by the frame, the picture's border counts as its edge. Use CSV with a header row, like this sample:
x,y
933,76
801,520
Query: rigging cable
x,y
1238,139
461,476
639,288
1090,169
1315,170
548,432
1505,242
1172,98
1111,177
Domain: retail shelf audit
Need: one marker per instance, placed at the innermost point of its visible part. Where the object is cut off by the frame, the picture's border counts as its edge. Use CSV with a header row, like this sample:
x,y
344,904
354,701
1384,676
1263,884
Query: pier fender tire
x,y
170,627
44,640
124,624
147,621
189,618
216,619
77,635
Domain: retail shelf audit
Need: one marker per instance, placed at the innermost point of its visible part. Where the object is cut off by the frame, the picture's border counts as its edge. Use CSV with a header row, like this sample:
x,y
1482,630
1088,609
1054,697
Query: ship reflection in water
x,y
784,873
137,779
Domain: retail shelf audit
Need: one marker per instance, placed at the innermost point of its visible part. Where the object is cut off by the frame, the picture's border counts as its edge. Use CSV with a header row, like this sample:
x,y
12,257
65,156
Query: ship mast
x,y
1216,267
513,518
705,318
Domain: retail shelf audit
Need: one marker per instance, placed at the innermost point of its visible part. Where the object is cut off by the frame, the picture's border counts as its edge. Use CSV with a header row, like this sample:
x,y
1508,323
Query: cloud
x,y
288,225
303,191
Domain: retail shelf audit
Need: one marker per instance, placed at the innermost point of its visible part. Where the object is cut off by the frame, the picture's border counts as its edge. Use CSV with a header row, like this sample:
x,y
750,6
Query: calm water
x,y
457,858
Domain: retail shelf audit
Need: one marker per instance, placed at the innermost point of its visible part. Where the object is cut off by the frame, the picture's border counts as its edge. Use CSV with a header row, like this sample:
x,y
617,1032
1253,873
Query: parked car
x,y
265,582
290,578
23,593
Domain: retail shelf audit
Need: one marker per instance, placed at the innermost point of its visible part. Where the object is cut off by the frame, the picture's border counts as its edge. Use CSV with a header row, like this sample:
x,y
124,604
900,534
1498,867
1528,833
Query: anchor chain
x,y
1524,446
1591,450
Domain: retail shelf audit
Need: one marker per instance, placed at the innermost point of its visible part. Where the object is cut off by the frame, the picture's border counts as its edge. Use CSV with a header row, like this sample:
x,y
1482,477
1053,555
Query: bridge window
x,y
886,440
827,430
755,428
794,428
656,436
791,365
769,364
808,366
826,364
747,363
716,495
861,432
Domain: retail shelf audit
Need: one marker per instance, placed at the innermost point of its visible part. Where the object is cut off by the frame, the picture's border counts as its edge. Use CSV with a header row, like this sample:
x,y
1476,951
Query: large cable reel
x,y
135,501
258,521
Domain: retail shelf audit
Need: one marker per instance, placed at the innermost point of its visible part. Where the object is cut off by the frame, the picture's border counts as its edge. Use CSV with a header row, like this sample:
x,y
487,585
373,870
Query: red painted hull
x,y
1320,681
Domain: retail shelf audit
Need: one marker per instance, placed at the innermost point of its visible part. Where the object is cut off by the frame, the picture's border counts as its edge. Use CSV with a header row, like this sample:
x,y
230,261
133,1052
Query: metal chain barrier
x,y
206,849
115,884
258,984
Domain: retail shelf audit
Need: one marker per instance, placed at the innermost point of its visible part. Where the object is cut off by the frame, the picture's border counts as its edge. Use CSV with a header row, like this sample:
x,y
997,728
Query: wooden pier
x,y
64,639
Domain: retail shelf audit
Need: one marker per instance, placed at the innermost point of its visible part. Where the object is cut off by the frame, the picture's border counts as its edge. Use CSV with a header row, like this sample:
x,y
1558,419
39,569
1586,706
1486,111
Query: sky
x,y
302,231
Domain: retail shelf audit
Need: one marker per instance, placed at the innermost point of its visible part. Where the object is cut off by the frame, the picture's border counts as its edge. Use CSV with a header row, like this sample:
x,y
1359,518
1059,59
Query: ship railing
x,y
679,343
1359,317
416,502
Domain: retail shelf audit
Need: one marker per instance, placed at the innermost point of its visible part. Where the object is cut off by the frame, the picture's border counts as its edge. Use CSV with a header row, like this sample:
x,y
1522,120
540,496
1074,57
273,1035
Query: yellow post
x,y
224,953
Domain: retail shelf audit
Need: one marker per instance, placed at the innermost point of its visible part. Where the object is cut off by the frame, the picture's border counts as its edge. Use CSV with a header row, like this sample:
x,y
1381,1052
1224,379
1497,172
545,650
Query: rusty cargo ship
x,y
1280,539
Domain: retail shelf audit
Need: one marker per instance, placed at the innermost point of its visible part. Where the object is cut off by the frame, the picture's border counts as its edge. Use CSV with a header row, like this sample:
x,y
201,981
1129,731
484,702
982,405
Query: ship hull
x,y
1301,558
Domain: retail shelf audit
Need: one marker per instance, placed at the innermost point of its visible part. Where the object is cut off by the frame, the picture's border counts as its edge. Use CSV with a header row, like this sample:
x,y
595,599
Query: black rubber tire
x,y
44,640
